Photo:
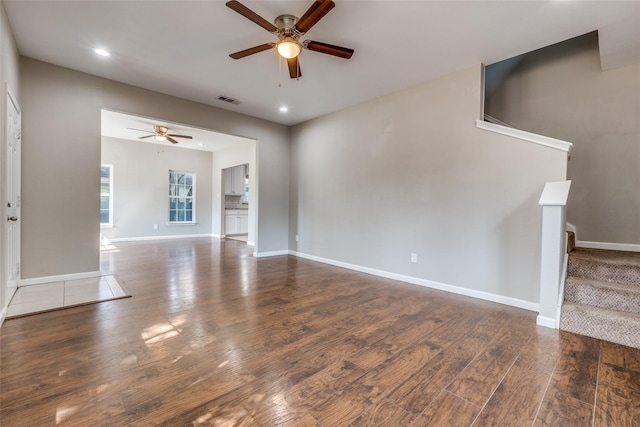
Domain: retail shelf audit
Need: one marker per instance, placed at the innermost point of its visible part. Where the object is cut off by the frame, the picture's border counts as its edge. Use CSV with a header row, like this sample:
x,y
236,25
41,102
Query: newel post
x,y
554,218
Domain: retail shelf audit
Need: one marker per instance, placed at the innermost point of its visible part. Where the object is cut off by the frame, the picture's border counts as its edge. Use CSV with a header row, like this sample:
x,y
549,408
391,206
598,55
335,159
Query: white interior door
x,y
12,222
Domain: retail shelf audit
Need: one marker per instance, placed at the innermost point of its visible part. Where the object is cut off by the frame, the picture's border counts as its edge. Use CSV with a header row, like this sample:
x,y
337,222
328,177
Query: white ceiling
x,y
117,125
181,47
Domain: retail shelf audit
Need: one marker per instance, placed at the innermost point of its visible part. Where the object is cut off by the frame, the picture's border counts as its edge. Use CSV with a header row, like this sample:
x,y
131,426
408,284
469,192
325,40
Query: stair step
x,y
571,241
604,265
601,294
608,325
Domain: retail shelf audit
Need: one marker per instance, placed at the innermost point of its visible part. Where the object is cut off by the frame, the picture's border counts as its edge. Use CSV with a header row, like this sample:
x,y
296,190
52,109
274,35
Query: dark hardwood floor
x,y
213,336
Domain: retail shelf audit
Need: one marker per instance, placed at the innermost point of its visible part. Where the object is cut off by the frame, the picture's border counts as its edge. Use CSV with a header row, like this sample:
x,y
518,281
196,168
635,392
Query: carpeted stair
x,y
602,295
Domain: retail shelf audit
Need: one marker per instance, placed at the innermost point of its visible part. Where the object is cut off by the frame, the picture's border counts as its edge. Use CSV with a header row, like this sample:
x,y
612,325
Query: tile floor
x,y
49,296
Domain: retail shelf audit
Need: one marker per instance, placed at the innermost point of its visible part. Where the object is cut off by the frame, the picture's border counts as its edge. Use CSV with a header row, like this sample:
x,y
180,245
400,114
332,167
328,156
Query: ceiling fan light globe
x,y
161,138
289,48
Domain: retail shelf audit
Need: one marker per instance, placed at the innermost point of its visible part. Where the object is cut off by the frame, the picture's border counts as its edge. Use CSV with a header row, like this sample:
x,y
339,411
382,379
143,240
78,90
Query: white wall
x,y
9,75
141,183
410,173
561,92
245,153
61,158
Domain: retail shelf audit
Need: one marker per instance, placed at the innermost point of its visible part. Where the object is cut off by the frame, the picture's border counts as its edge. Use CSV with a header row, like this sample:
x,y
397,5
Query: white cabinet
x,y
237,186
230,224
234,180
228,179
236,221
243,224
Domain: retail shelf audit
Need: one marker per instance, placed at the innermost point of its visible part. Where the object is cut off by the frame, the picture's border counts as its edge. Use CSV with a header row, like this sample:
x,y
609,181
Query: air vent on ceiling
x,y
229,100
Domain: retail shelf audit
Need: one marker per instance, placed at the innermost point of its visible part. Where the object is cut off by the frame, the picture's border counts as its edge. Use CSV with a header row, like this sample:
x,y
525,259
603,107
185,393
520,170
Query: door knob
x,y
12,218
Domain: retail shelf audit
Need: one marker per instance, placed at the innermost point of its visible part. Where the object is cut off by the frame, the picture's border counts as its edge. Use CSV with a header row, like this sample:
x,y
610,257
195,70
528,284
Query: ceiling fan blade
x,y
294,68
141,130
315,13
171,140
329,49
148,136
251,15
251,50
179,136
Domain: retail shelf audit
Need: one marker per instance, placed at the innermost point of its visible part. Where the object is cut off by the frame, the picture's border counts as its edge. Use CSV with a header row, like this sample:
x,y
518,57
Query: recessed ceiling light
x,y
102,52
200,144
284,109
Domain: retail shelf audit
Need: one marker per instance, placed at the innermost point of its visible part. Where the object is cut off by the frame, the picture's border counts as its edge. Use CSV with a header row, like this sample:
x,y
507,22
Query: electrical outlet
x,y
414,258
297,238
155,226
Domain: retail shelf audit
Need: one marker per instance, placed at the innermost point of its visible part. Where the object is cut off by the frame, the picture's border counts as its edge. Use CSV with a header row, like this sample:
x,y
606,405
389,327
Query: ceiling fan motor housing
x,y
161,129
285,23
288,45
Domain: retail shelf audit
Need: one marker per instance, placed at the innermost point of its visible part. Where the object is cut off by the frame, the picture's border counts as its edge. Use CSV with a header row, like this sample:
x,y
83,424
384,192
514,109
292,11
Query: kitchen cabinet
x,y
228,178
234,180
236,221
230,225
238,180
243,224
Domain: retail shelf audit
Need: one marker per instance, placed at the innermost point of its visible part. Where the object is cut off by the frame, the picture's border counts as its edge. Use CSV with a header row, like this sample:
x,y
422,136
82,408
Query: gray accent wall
x,y
141,187
561,92
9,76
61,158
411,173
369,185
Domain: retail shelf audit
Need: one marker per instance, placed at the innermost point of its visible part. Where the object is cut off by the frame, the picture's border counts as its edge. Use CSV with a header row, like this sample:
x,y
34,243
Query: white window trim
x,y
110,223
193,201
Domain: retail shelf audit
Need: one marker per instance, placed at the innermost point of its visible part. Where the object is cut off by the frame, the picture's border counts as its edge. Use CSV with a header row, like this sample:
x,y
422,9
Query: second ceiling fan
x,y
289,29
161,134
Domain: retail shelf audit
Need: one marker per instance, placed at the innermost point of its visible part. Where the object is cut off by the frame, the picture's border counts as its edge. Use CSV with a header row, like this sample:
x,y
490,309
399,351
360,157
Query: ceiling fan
x,y
160,133
289,29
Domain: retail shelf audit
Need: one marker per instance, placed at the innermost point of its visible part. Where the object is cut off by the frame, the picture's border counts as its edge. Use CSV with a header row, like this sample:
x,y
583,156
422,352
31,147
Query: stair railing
x,y
554,255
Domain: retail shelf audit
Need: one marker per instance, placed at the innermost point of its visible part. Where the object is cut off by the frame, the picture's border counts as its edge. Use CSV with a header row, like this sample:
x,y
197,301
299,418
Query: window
x,y
182,200
106,195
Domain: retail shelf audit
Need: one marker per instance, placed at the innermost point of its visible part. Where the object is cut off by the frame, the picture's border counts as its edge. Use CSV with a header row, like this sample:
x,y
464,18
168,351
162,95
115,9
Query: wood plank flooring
x,y
213,336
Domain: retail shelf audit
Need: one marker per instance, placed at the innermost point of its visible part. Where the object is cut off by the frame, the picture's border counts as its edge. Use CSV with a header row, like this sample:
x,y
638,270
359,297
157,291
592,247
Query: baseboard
x,y
146,238
249,243
501,299
3,314
268,254
59,278
547,322
218,236
629,247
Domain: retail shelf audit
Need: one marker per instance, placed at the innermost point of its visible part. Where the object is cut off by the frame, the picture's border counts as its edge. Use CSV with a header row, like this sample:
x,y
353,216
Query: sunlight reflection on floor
x,y
64,413
106,246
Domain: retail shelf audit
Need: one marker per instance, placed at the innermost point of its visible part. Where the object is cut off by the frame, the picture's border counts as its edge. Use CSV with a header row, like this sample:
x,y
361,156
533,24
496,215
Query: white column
x,y
553,201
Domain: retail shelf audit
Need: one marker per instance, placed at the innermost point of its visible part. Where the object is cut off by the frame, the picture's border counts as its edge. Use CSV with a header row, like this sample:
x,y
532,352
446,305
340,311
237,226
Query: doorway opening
x,y
143,165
